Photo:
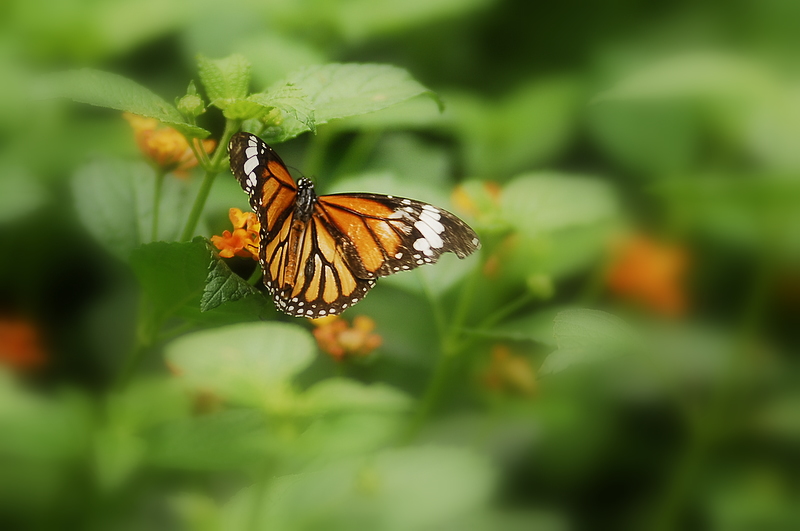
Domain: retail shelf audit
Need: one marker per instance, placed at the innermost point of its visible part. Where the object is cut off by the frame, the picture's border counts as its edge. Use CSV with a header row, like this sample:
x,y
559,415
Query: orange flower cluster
x,y
165,146
509,373
244,240
650,273
338,339
20,345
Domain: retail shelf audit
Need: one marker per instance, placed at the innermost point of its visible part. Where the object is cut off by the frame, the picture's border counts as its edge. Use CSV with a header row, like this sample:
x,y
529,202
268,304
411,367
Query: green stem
x,y
159,184
136,354
212,170
450,348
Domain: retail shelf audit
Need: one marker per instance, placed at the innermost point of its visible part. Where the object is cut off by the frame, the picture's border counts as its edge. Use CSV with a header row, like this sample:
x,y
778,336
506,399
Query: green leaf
x,y
248,363
114,201
545,201
147,402
291,101
586,335
536,326
343,395
223,285
338,90
410,488
343,435
236,439
419,112
104,89
244,110
225,80
172,275
106,195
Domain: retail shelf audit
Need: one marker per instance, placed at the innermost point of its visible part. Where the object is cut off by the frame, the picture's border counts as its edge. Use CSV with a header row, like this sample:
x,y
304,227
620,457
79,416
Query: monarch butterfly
x,y
322,254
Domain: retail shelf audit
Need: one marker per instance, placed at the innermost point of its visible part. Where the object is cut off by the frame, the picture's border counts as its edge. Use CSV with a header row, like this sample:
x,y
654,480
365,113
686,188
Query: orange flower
x,y
650,273
244,240
335,337
20,346
165,146
509,373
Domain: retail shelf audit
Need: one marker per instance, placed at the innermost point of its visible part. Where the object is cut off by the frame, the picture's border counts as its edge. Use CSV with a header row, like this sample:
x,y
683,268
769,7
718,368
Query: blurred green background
x,y
621,354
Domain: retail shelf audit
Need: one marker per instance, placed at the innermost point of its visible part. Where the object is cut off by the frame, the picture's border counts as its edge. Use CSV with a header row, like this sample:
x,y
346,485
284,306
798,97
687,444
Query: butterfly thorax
x,y
306,198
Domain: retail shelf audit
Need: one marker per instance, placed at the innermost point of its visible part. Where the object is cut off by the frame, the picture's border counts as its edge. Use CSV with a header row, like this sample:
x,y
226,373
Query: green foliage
x,y
632,175
245,364
104,89
293,103
340,395
114,200
223,285
381,492
20,194
172,275
225,80
543,202
229,440
587,335
496,142
341,90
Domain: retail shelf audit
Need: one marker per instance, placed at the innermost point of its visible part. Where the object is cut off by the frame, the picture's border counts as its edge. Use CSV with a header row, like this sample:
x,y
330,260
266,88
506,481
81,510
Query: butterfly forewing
x,y
381,235
264,177
322,264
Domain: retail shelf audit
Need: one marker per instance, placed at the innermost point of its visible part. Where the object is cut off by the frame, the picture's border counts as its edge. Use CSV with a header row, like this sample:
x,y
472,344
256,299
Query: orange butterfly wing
x,y
322,261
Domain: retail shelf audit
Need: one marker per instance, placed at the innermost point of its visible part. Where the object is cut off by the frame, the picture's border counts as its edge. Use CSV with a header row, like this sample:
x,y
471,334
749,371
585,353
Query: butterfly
x,y
322,254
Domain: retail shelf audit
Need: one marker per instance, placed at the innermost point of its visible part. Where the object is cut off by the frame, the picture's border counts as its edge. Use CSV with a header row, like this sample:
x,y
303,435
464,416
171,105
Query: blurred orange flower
x,y
20,345
509,373
477,199
165,146
244,240
338,339
651,273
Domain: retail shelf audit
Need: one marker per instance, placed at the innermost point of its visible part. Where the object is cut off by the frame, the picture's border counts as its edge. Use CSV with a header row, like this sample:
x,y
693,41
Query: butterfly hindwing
x,y
323,284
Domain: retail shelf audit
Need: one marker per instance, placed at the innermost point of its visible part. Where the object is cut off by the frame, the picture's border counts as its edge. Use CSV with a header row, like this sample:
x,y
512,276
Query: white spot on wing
x,y
432,223
250,164
431,238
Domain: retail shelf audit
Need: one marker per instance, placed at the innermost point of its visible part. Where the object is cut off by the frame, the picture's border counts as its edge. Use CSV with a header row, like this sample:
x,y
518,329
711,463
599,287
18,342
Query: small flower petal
x,y
336,338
